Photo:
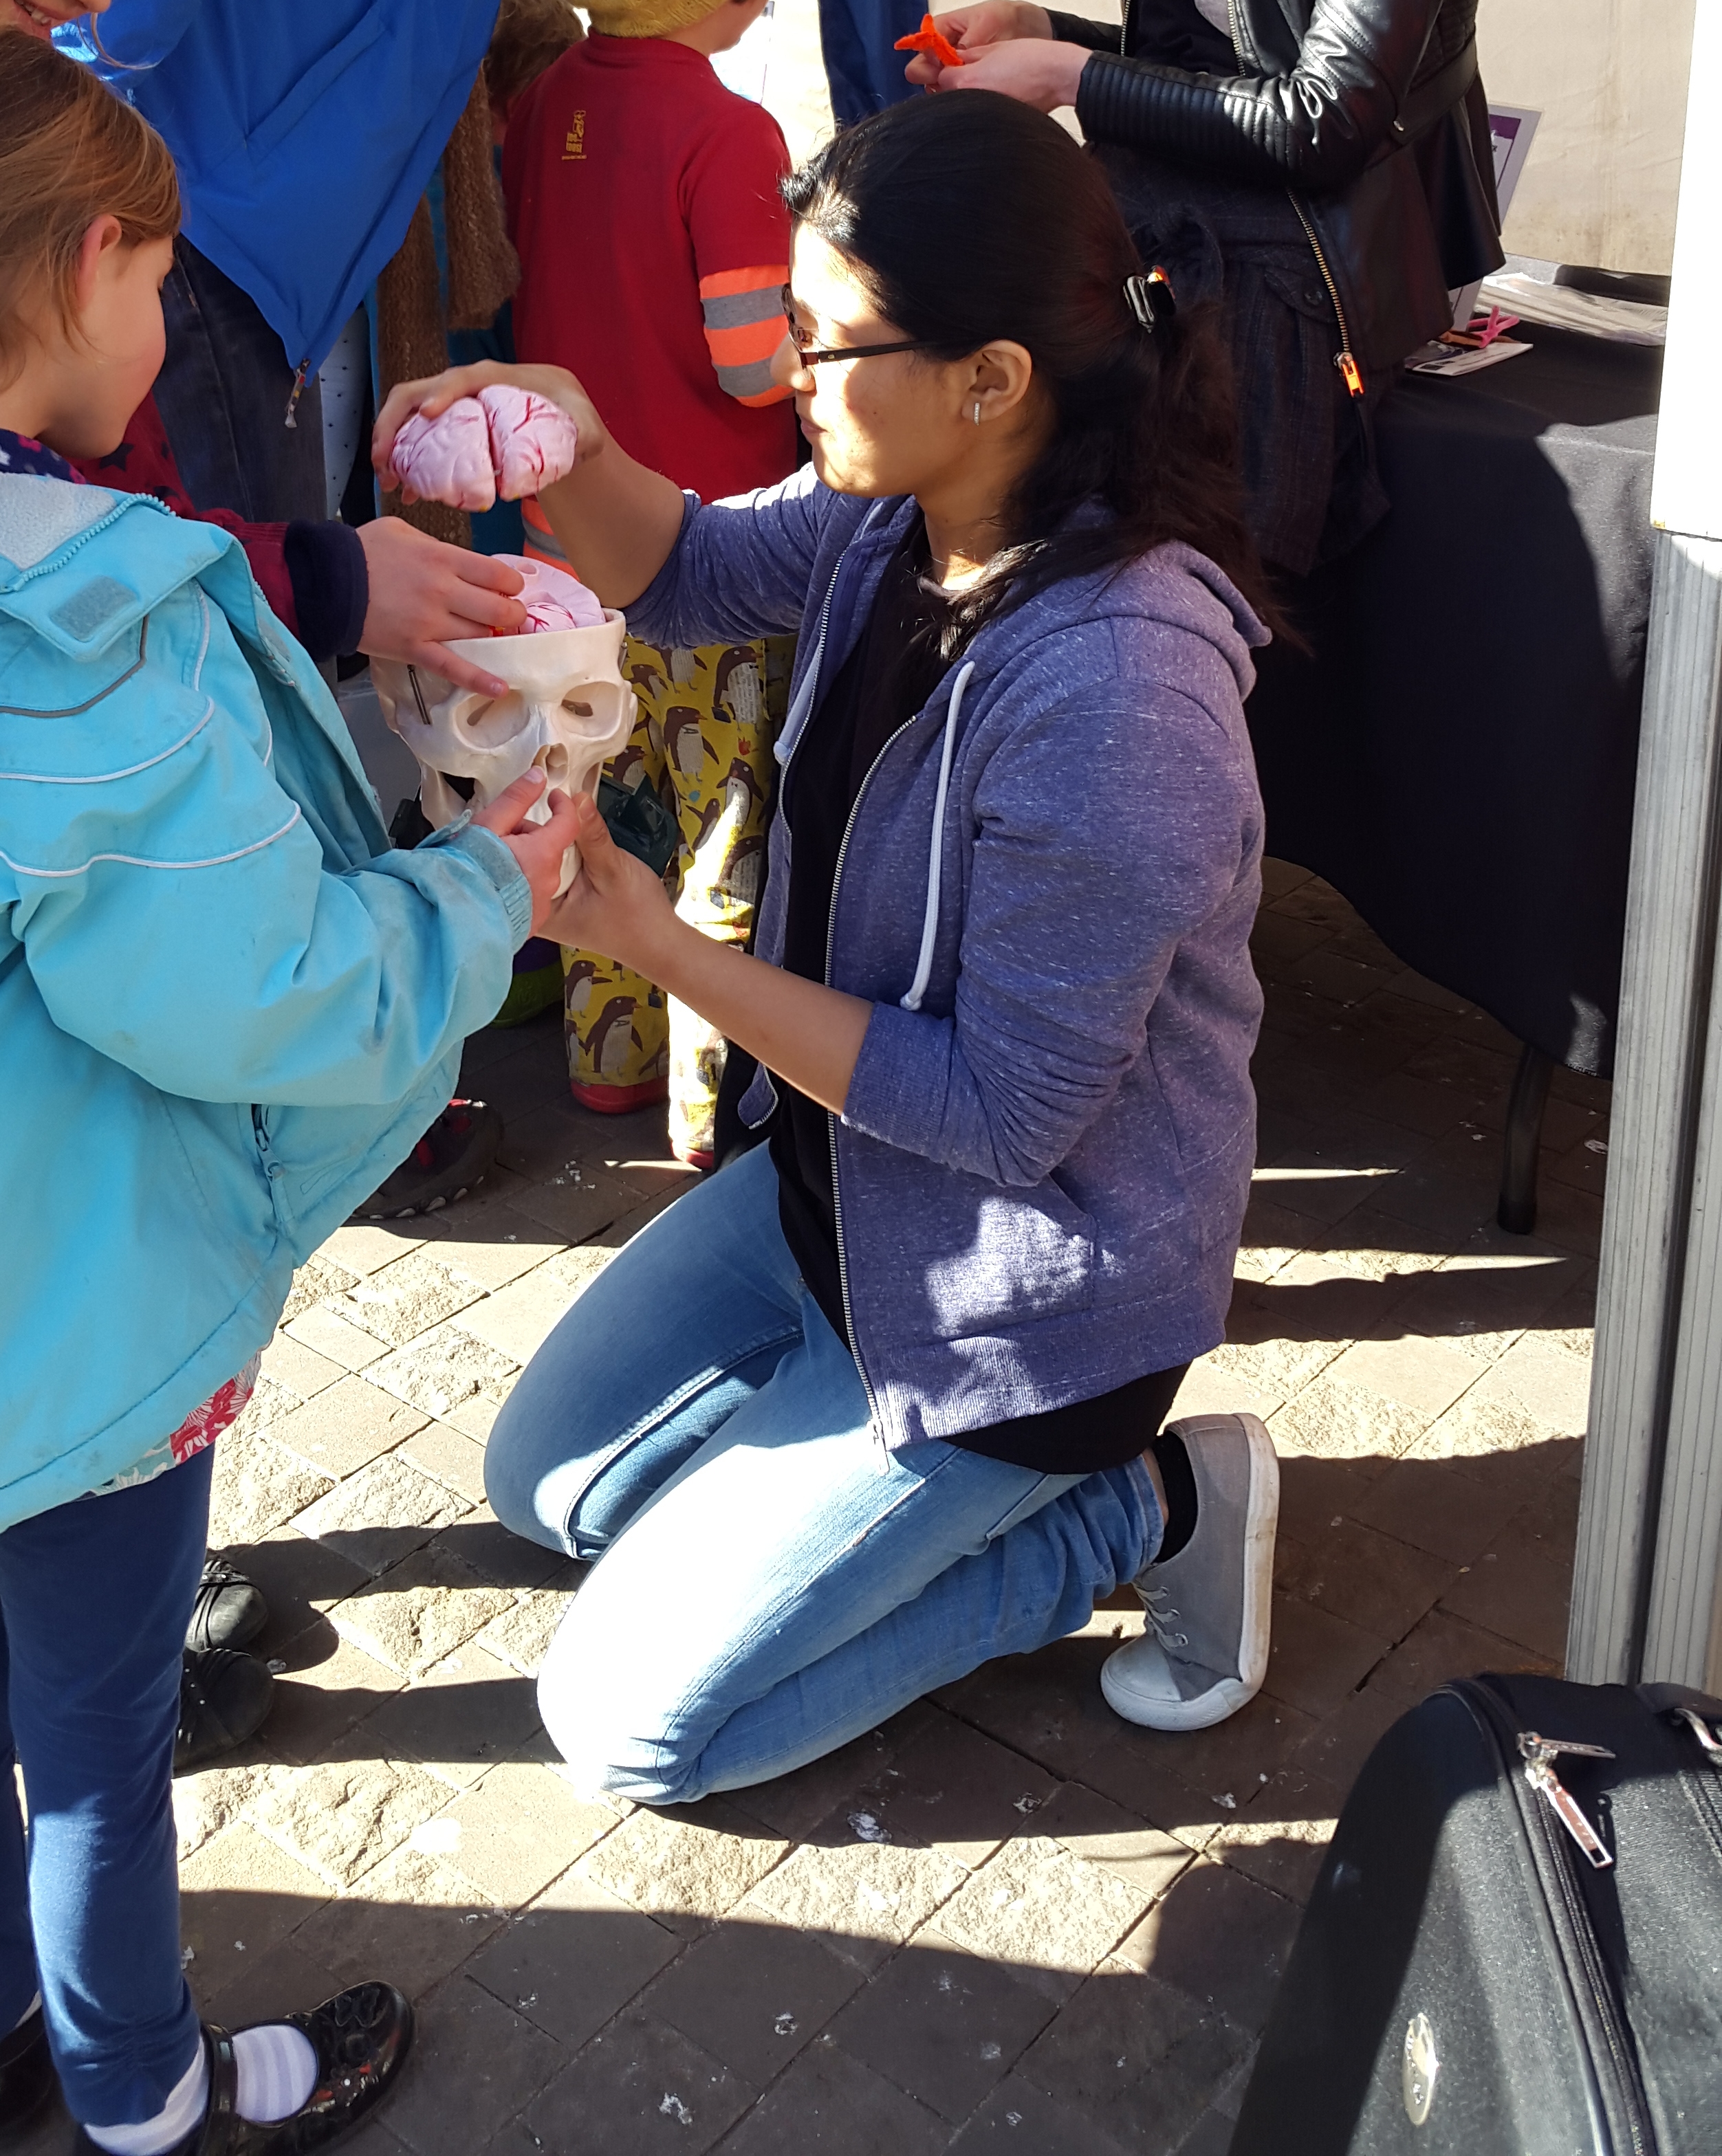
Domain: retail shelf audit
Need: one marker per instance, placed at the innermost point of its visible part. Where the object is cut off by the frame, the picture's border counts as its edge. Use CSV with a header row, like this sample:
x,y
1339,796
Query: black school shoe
x,y
229,1610
453,1157
27,2077
225,1699
361,2037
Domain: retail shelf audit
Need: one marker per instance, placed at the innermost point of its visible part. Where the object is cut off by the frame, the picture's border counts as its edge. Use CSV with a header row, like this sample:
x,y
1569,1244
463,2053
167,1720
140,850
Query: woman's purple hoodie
x,y
1046,893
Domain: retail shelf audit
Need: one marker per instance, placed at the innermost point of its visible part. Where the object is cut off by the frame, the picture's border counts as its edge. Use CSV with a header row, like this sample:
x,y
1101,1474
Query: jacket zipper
x,y
304,368
1343,359
831,1120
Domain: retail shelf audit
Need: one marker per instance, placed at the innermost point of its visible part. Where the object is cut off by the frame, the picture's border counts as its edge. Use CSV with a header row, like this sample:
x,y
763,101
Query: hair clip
x,y
1150,298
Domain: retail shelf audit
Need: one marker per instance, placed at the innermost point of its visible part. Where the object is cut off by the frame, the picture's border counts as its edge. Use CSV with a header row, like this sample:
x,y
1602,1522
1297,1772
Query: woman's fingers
x,y
435,393
432,395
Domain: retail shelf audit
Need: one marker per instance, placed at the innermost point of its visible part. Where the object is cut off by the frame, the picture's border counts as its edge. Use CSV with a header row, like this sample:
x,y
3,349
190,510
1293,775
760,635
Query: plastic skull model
x,y
568,711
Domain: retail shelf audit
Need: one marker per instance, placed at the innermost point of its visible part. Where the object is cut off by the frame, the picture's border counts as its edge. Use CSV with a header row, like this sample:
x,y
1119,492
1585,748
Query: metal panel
x,y
1683,1601
1649,1566
1665,1015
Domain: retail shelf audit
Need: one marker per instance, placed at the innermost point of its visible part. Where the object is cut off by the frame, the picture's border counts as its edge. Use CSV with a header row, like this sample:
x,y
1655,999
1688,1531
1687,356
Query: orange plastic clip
x,y
930,39
1352,371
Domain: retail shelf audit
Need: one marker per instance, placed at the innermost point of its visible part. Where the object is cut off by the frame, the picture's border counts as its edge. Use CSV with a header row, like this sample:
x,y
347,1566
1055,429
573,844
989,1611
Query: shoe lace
x,y
1160,1613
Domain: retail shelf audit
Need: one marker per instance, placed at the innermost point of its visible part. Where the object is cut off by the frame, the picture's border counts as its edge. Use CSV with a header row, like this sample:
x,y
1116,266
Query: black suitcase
x,y
1514,1947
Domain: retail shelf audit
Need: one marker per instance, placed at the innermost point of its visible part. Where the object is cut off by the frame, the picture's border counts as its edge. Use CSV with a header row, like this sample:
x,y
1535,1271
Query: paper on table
x,y
1440,358
1558,306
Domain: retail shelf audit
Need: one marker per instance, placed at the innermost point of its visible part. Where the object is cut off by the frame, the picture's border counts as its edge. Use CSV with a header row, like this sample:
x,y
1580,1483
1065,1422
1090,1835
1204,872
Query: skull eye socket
x,y
581,710
495,723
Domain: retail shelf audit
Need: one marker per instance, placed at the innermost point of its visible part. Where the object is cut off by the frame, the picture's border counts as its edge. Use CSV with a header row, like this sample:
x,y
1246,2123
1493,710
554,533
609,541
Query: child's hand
x,y
538,848
435,395
424,591
615,905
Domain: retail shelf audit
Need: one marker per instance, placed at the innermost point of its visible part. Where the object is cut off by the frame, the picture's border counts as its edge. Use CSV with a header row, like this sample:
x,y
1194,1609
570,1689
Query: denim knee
x,y
649,1768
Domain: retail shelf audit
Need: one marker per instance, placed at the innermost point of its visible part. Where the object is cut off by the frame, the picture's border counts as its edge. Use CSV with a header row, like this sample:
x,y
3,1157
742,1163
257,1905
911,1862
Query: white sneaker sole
x,y
1152,1711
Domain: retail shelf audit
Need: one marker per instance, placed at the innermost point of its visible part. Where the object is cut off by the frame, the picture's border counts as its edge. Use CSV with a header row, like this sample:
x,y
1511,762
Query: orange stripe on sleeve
x,y
744,312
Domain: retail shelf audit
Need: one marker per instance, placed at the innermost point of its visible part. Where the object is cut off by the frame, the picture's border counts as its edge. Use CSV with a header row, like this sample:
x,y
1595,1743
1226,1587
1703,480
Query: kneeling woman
x,y
878,1401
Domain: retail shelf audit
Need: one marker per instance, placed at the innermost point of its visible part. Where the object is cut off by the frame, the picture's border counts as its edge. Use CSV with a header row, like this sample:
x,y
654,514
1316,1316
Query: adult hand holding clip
x,y
1007,45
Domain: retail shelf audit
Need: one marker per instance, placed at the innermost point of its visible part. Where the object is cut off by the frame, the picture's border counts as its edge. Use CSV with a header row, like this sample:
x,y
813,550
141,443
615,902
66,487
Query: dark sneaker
x,y
1204,1651
361,2037
26,2076
225,1699
229,1610
451,1158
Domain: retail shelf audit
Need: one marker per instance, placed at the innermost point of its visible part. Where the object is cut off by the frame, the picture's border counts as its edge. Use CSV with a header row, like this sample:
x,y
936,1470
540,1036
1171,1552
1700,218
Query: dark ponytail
x,y
970,217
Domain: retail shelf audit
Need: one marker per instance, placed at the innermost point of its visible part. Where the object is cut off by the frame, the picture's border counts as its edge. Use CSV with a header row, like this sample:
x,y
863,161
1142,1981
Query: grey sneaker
x,y
1204,1651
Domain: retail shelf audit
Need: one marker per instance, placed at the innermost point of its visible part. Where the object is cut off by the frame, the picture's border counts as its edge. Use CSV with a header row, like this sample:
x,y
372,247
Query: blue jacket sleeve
x,y
184,919
1078,901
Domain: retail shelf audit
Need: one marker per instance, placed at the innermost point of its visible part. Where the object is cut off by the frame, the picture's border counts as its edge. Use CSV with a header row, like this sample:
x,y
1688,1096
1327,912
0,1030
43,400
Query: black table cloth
x,y
1457,754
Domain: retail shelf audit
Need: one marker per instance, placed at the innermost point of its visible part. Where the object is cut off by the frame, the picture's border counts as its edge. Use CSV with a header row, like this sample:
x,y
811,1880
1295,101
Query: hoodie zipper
x,y
1343,359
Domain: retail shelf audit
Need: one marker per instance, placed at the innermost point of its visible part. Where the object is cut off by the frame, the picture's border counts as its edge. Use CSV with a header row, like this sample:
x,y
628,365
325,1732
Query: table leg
x,y
1516,1211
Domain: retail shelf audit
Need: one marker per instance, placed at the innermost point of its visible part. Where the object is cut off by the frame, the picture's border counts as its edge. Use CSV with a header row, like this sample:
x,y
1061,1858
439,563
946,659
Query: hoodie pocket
x,y
273,129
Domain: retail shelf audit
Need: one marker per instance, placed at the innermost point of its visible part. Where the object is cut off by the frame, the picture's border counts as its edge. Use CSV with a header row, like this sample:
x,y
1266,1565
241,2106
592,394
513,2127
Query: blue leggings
x,y
95,1599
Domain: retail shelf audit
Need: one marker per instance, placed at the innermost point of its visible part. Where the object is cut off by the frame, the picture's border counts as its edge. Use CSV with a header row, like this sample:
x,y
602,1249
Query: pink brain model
x,y
553,598
505,441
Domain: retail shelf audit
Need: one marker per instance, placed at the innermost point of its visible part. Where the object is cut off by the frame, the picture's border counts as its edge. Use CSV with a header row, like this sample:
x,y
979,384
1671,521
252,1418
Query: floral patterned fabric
x,y
708,719
199,1431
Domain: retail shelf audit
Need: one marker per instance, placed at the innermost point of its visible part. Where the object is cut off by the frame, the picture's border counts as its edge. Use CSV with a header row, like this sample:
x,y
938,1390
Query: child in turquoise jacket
x,y
227,1008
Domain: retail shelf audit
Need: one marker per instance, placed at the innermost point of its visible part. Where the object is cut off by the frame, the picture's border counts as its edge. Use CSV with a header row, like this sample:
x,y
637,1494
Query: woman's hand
x,y
433,395
537,848
807,1033
615,904
1035,71
423,591
993,22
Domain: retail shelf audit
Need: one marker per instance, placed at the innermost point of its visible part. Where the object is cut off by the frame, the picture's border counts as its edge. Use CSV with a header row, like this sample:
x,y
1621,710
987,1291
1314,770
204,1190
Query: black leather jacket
x,y
1369,113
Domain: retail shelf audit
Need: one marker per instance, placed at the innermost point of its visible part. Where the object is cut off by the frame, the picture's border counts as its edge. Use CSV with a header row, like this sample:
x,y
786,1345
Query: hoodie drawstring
x,y
929,921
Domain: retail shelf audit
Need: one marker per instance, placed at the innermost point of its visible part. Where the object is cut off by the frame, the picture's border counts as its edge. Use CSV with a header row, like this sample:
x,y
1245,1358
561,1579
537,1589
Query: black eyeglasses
x,y
802,342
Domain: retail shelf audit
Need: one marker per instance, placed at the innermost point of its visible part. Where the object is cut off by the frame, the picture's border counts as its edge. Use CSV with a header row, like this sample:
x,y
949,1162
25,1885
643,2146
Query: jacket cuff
x,y
1080,30
331,585
902,1065
499,865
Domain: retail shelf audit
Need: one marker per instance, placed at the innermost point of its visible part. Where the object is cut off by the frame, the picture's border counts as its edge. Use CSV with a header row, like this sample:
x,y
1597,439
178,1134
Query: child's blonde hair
x,y
69,152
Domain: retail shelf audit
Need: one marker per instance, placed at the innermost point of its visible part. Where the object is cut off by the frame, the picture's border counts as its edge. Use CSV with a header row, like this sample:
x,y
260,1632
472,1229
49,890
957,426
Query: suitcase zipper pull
x,y
1539,1754
1702,1730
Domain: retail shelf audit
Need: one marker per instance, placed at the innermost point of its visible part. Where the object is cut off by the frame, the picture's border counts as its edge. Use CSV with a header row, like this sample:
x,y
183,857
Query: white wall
x,y
1609,77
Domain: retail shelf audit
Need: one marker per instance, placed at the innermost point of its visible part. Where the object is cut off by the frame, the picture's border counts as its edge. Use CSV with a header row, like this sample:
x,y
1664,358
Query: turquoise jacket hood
x,y
227,1007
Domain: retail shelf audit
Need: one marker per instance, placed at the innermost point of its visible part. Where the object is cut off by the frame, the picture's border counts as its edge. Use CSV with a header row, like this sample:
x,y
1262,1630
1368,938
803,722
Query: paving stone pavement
x,y
1006,1919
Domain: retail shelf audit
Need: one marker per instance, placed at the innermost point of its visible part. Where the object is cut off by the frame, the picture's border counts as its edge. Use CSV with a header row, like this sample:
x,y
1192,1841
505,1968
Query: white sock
x,y
176,2117
277,2071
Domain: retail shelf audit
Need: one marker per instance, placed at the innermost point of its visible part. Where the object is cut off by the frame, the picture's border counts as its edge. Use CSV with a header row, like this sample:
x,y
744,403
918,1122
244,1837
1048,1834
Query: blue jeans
x,y
222,394
94,1598
772,1581
864,71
